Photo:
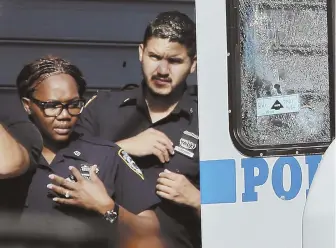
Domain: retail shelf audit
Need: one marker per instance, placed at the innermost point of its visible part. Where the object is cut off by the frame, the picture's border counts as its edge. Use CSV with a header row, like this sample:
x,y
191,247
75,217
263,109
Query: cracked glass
x,y
284,72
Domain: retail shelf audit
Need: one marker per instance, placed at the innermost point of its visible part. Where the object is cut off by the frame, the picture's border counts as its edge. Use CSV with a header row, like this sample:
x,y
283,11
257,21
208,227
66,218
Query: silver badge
x,y
85,170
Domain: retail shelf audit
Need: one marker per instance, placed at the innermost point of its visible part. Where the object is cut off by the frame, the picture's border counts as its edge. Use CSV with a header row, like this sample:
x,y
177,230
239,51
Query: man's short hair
x,y
175,26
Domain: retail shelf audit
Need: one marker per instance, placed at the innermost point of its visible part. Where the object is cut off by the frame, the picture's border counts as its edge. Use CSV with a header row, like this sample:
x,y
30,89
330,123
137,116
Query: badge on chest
x,y
84,170
188,144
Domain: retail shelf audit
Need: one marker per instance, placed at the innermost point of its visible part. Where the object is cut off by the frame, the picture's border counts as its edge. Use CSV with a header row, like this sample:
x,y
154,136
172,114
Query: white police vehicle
x,y
267,114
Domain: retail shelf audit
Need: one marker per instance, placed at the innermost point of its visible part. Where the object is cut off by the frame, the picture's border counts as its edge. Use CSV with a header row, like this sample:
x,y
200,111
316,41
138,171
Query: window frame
x,y
234,89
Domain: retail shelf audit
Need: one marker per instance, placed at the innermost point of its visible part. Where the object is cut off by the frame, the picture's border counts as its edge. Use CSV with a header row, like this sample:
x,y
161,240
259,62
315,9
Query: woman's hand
x,y
85,193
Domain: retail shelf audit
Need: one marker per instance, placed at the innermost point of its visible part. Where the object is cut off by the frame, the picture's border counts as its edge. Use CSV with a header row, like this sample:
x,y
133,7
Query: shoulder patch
x,y
130,163
90,100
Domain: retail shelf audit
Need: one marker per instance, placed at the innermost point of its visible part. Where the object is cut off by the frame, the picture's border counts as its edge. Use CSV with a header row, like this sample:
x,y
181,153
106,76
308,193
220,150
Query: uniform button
x,y
126,100
191,110
77,153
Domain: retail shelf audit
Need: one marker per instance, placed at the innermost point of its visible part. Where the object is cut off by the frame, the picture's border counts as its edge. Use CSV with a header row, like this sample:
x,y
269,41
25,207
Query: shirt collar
x,y
135,97
185,106
70,151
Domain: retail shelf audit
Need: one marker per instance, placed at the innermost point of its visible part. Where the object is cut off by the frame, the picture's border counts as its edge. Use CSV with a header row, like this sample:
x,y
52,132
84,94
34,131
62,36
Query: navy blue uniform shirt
x,y
123,180
120,115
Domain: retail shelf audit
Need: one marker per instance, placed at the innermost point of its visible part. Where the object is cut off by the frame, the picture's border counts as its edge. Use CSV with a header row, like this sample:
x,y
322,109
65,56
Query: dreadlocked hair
x,y
40,69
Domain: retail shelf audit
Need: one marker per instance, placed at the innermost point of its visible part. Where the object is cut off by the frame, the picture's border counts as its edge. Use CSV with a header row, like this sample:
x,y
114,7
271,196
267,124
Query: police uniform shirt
x,y
123,180
15,120
120,115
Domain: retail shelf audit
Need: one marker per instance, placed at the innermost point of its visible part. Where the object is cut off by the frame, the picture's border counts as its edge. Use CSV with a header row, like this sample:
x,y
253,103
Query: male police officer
x,y
157,123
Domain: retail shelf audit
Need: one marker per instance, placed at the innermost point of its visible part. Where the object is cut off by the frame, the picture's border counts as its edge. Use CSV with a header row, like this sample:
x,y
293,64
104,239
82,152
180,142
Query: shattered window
x,y
284,77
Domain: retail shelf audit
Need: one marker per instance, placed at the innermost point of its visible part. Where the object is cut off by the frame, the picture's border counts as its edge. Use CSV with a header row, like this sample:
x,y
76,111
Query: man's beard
x,y
152,92
176,92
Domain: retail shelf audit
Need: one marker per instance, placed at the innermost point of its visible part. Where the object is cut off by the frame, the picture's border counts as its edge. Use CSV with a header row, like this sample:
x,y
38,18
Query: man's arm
x,y
173,186
20,145
149,142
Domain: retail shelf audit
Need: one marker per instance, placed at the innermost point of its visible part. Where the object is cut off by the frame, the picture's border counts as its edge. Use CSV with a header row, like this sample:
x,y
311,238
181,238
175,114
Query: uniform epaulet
x,y
90,100
98,141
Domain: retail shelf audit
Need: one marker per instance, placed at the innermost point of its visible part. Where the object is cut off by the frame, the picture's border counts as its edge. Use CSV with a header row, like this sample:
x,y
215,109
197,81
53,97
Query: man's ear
x,y
26,104
194,64
141,50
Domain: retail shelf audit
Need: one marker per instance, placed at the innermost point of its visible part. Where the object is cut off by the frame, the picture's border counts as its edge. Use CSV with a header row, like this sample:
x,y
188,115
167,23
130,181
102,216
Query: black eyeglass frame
x,y
42,106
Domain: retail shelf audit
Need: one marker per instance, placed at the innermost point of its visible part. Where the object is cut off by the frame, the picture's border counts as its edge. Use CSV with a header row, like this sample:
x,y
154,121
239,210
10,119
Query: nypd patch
x,y
130,163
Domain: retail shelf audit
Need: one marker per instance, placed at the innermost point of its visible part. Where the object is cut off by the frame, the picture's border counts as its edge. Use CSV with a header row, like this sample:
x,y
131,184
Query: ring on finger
x,y
67,194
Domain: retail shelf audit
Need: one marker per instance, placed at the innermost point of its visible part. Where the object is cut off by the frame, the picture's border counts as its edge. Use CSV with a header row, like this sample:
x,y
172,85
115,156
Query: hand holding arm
x,y
149,142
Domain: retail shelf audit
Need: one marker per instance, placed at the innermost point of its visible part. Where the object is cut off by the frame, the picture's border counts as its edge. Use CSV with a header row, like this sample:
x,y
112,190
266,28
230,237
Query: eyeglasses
x,y
55,108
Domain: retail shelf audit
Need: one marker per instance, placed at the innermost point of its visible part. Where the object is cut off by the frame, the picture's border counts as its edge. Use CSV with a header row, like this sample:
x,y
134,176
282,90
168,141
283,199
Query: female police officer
x,y
51,90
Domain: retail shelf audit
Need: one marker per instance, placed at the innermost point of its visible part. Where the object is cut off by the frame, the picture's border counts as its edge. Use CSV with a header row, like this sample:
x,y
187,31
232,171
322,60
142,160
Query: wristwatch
x,y
112,215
